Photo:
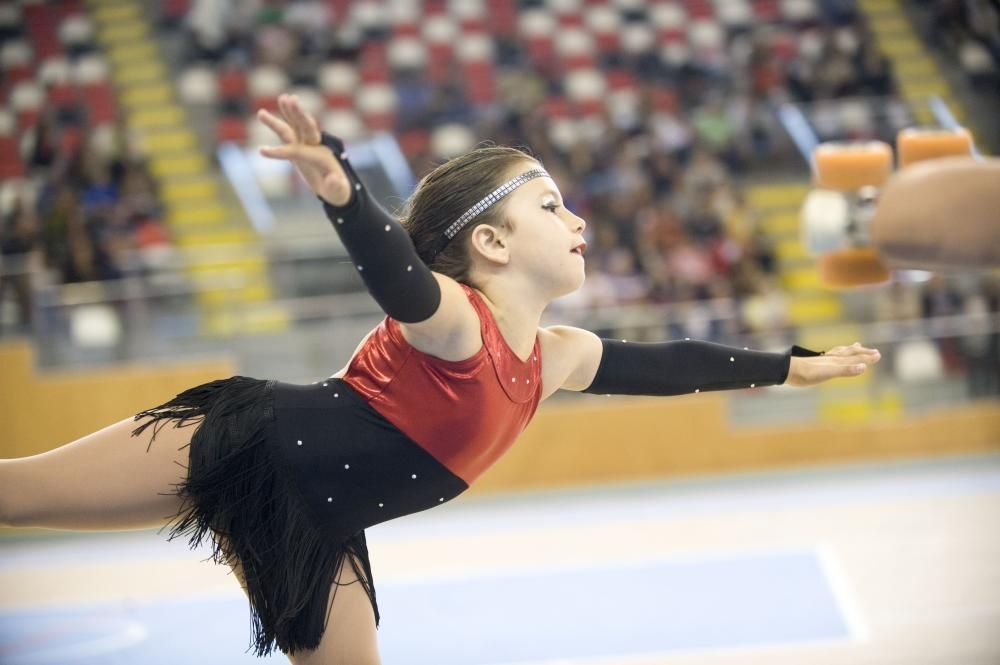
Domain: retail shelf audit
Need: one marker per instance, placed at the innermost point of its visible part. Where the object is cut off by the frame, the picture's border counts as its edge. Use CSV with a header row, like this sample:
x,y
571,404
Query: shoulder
x,y
572,354
452,332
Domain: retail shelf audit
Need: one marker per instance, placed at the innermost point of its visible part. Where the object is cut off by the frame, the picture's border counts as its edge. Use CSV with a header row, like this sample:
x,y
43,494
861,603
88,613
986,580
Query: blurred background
x,y
145,247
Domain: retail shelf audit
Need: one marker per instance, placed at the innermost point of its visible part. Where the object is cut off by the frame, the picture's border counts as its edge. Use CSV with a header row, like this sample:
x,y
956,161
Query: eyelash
x,y
550,207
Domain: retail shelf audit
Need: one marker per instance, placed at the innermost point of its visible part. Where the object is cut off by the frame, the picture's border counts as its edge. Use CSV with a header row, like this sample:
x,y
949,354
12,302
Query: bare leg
x,y
350,636
104,481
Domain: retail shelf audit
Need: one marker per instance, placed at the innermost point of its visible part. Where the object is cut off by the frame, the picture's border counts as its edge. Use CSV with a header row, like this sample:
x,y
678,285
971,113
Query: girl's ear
x,y
490,242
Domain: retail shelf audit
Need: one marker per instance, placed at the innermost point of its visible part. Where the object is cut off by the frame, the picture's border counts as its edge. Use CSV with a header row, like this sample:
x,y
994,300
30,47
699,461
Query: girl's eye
x,y
551,207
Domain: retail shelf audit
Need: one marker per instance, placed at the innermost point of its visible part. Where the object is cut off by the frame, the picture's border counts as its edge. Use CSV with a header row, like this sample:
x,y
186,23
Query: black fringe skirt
x,y
236,494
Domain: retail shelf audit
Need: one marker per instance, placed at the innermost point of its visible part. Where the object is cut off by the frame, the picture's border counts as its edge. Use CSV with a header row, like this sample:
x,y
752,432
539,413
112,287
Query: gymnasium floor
x,y
889,563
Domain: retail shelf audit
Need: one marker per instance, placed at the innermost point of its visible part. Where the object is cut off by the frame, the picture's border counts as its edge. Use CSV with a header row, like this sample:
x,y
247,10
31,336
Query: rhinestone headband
x,y
491,198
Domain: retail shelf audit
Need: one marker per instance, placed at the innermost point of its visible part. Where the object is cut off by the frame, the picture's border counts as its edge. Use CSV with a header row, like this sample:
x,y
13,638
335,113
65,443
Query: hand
x,y
839,361
302,147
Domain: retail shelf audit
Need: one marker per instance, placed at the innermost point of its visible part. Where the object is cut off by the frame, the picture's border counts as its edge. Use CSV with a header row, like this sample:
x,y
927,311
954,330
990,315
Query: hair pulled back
x,y
446,193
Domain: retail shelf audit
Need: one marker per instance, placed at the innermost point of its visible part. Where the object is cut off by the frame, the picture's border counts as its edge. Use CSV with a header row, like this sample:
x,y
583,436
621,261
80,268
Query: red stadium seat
x,y
269,102
414,141
231,128
11,165
480,84
99,99
27,119
339,100
62,94
232,84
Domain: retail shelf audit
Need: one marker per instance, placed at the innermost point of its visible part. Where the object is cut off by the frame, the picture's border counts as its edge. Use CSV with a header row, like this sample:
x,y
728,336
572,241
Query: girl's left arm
x,y
616,367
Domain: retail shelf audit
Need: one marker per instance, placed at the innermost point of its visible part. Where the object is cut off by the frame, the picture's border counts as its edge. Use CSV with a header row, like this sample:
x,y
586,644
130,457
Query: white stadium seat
x,y
15,53
735,13
476,47
637,38
537,23
55,69
404,12
377,98
198,84
368,15
310,100
343,123
562,7
451,140
441,30
602,19
574,41
675,55
266,81
797,11
90,68
8,123
465,10
584,84
668,16
407,53
706,35
26,96
76,30
338,76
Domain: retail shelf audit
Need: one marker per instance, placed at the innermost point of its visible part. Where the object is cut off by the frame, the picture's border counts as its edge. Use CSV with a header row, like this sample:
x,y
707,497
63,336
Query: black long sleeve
x,y
382,250
689,366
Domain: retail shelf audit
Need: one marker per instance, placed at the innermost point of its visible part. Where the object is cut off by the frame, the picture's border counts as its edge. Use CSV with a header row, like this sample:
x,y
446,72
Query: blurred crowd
x,y
969,30
654,177
655,170
92,213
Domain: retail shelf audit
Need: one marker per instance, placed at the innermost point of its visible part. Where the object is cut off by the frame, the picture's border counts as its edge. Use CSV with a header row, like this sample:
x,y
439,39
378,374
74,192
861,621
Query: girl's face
x,y
544,235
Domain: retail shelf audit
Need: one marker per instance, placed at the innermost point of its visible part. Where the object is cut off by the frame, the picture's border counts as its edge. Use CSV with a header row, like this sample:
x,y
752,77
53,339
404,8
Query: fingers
x,y
279,126
303,123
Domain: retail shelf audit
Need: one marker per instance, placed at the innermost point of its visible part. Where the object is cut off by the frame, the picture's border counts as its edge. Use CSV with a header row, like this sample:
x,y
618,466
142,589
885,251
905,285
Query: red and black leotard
x,y
403,431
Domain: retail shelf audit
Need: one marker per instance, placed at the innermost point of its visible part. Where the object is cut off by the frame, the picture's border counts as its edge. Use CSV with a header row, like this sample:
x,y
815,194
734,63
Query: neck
x,y
518,313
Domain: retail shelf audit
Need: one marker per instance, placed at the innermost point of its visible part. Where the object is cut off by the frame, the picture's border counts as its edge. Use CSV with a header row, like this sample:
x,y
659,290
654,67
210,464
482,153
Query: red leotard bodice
x,y
466,413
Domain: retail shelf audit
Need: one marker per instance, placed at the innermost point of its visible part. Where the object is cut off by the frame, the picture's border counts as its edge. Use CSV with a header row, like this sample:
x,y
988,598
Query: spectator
x,y
18,249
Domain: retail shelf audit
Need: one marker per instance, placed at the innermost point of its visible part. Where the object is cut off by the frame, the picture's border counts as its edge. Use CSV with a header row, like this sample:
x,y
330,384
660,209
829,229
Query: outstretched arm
x,y
379,246
616,367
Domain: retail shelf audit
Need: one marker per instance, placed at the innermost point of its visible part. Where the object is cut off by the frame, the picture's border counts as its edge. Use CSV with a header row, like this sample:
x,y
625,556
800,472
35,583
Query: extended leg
x,y
103,481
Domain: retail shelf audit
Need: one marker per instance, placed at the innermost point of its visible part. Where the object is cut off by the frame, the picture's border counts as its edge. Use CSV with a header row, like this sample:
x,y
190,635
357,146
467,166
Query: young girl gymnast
x,y
285,478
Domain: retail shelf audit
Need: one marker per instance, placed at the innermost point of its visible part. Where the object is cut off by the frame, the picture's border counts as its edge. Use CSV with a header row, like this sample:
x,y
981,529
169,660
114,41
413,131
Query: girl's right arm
x,y
380,248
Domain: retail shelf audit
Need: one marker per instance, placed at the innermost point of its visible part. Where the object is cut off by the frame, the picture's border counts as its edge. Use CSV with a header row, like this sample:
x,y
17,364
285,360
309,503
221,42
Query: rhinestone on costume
x,y
752,385
409,268
300,442
380,505
357,186
414,476
336,394
347,466
731,359
441,499
361,267
697,390
325,384
340,220
343,155
687,338
329,499
387,227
